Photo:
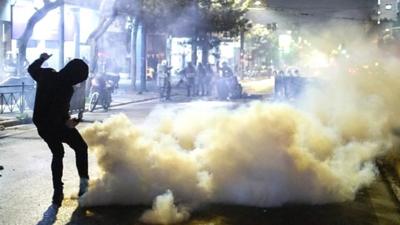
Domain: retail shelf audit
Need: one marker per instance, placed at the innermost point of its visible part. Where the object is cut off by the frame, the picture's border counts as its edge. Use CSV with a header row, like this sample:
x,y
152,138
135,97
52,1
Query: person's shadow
x,y
49,216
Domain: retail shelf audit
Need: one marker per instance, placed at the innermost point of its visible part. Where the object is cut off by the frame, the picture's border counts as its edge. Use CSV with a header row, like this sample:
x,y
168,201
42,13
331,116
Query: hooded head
x,y
75,71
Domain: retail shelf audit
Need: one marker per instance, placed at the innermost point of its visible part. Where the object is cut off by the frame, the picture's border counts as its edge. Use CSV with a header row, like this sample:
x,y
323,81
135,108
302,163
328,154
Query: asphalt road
x,y
25,190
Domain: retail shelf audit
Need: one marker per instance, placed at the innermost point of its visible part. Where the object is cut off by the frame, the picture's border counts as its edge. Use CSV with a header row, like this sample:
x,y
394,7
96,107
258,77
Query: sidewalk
x,y
10,119
125,95
122,96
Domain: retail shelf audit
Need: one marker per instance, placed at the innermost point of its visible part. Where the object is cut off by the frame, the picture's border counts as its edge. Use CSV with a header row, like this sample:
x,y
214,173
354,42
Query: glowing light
x,y
285,41
317,59
257,3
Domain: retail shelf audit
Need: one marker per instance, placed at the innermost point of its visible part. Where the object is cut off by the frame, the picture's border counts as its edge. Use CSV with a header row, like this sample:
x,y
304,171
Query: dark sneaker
x,y
58,197
83,186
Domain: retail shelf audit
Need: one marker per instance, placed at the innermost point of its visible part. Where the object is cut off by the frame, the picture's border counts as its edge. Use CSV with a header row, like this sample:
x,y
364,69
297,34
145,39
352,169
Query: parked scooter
x,y
101,89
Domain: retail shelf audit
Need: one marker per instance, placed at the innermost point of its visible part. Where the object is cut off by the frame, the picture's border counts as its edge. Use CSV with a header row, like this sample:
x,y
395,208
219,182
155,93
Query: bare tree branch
x,y
101,28
27,34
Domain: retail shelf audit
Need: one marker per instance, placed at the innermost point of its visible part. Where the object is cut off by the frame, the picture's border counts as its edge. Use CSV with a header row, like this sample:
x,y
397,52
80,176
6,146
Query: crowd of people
x,y
200,80
289,84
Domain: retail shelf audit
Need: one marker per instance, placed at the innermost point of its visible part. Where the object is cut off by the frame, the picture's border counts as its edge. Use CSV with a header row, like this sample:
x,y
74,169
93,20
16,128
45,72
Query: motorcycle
x,y
101,89
229,88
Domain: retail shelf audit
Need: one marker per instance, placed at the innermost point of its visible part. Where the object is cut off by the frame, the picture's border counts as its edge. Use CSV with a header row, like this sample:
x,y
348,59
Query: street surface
x,y
25,189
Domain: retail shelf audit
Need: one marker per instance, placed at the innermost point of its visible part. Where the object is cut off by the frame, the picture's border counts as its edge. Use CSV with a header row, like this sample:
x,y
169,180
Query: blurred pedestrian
x,y
226,70
52,119
201,78
235,88
190,74
164,80
152,62
208,79
280,86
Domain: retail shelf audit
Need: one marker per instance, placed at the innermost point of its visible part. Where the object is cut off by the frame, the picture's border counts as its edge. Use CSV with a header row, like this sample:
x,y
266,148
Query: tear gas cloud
x,y
261,154
164,211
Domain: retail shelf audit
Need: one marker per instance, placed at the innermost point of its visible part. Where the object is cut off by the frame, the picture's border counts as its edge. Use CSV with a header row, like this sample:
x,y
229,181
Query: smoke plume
x,y
164,211
260,154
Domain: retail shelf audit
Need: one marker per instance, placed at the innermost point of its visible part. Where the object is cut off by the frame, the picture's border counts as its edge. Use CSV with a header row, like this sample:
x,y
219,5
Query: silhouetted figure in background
x,y
164,80
201,80
52,119
226,70
208,79
152,62
190,74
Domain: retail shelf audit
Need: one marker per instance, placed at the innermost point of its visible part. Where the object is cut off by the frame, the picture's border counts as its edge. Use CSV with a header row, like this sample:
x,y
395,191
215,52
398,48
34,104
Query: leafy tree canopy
x,y
205,16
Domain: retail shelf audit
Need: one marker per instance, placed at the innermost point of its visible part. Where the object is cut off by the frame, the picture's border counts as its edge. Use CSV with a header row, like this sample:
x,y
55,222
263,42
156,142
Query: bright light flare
x,y
317,59
285,41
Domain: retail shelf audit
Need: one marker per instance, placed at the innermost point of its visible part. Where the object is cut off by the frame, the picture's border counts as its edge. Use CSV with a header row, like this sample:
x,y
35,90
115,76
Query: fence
x,y
16,98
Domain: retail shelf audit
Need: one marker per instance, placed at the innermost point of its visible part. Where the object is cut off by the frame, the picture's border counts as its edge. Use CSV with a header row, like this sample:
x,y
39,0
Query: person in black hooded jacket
x,y
52,119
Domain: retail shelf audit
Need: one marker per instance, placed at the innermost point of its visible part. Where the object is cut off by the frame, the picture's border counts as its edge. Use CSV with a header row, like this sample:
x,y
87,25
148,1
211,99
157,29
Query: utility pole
x,y
242,39
77,32
62,36
132,63
141,50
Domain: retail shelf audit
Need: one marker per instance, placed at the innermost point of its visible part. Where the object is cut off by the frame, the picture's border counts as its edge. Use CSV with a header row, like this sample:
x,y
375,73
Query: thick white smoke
x,y
261,154
164,211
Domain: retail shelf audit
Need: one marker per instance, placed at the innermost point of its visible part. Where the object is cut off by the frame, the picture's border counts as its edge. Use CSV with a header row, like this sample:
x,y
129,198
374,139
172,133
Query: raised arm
x,y
35,69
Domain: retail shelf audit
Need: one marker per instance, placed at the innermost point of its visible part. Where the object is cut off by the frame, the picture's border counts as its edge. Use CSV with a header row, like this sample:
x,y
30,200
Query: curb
x,y
391,179
12,122
134,101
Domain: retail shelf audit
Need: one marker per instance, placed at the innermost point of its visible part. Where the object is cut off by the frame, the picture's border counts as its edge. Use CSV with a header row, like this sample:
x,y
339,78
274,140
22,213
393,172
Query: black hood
x,y
76,71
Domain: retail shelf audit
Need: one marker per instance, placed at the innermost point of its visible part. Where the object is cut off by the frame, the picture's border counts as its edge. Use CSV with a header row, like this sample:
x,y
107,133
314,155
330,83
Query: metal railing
x,y
15,97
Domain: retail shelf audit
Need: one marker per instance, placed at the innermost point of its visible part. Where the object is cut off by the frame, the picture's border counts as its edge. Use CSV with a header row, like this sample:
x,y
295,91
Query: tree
x,y
262,45
27,34
133,40
108,12
201,17
218,17
147,14
35,18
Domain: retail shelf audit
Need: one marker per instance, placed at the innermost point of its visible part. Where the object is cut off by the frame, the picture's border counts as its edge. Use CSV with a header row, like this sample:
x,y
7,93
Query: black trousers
x,y
54,140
